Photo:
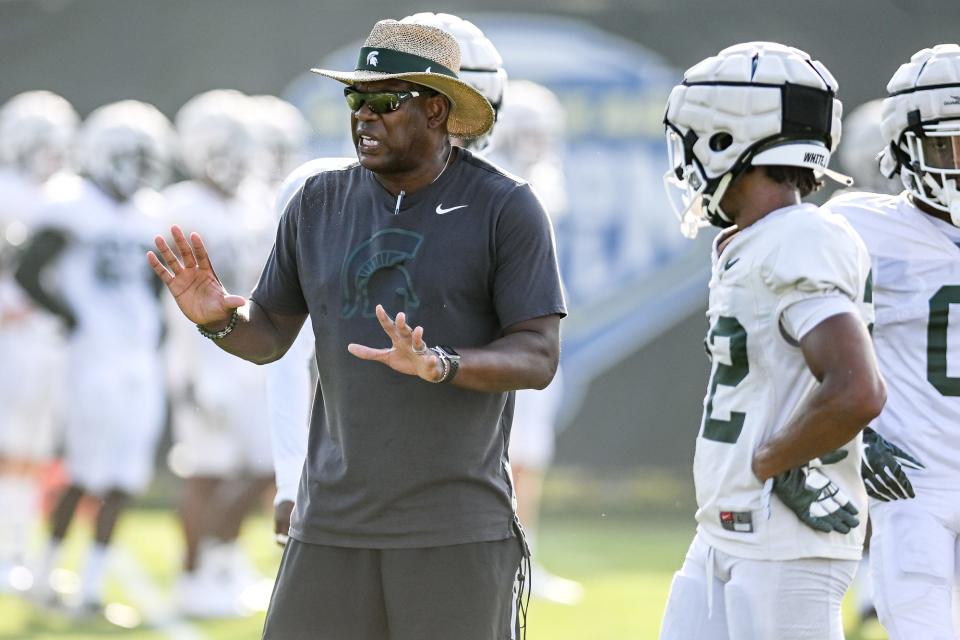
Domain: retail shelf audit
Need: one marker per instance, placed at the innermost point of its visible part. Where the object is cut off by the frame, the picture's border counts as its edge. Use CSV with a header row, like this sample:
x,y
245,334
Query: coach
x,y
404,525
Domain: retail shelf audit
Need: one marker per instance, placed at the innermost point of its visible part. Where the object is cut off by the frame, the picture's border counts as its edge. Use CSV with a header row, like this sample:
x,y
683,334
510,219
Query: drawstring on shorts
x,y
524,580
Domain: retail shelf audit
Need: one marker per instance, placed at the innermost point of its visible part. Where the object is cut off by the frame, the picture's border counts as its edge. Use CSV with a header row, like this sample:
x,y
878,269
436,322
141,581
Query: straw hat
x,y
426,56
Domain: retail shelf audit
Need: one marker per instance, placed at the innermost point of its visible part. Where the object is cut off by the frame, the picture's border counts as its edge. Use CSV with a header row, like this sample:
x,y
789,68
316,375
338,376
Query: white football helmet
x,y
531,126
753,104
859,155
216,138
921,124
36,130
481,65
280,132
126,146
529,141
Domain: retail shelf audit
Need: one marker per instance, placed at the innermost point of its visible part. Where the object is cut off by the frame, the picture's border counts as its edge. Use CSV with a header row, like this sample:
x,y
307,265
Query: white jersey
x,y
916,289
102,273
238,233
795,258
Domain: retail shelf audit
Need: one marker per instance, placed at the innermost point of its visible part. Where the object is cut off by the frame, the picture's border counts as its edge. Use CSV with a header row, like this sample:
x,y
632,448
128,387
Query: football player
x,y
913,239
221,447
793,379
36,129
85,266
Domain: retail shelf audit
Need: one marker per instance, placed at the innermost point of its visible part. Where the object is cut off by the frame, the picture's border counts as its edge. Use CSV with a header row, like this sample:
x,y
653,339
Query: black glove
x,y
881,468
813,496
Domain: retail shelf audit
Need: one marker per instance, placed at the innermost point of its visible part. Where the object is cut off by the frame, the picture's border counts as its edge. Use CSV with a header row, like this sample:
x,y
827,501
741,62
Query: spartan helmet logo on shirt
x,y
374,273
372,58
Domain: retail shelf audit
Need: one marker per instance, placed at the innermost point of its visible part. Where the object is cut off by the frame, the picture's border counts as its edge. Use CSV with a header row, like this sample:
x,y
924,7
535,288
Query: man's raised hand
x,y
408,353
193,282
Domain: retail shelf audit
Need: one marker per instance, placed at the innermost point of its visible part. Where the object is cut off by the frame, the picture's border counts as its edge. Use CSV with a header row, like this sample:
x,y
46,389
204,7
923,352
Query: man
x,y
404,526
793,379
481,66
36,128
913,242
84,265
222,449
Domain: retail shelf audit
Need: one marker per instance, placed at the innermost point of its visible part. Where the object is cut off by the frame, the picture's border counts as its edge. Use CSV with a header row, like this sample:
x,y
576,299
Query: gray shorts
x,y
461,592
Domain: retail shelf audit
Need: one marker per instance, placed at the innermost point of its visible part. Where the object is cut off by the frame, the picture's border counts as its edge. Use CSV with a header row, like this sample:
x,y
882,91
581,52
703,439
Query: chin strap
x,y
947,193
713,204
836,176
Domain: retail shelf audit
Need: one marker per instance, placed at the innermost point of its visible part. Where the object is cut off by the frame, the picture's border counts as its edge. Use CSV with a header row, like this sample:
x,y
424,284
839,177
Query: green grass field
x,y
624,564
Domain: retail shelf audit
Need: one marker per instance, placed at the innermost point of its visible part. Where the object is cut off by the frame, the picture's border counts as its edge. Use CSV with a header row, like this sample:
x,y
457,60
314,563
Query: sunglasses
x,y
380,102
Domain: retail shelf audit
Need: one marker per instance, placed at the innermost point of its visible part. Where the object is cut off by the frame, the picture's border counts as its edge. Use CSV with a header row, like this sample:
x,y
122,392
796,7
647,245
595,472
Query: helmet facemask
x,y
932,172
695,199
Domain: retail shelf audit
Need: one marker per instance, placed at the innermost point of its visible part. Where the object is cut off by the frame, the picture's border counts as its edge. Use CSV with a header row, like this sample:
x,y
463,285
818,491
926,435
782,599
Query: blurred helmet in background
x,y
216,138
921,127
531,126
481,65
280,132
752,104
859,154
529,140
126,146
36,131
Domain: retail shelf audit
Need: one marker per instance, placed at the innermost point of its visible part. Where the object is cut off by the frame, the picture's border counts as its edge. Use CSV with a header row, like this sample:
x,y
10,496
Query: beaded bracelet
x,y
223,333
444,365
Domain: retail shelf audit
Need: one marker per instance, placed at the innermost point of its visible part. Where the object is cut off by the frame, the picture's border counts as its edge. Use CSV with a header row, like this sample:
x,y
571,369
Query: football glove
x,y
812,495
881,467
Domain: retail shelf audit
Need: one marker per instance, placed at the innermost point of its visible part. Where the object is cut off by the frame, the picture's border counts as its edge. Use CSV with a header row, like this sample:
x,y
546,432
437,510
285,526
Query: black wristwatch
x,y
449,360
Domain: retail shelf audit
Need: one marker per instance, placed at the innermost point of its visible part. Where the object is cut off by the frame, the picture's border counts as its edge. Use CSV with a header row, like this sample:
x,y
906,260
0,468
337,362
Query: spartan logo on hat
x,y
372,58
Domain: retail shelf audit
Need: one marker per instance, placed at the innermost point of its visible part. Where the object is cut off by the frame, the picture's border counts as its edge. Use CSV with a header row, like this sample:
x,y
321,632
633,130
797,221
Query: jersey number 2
x,y
728,375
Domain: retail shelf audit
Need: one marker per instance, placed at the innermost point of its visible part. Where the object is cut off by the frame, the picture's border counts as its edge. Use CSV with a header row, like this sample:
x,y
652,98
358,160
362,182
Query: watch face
x,y
449,350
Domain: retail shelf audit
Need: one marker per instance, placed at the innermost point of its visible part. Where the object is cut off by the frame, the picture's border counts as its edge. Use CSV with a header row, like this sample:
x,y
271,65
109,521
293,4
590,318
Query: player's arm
x,y
42,251
851,393
257,335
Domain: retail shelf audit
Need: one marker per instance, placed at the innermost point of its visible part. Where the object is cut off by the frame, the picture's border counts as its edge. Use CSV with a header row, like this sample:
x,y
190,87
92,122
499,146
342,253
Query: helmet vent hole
x,y
720,141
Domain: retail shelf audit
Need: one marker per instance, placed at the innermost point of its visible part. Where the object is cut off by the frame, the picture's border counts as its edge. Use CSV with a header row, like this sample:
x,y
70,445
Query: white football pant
x,y
716,596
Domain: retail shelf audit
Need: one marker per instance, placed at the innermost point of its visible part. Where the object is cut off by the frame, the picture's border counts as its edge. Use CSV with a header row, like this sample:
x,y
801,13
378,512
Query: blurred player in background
x,y
84,265
528,141
219,409
36,129
794,380
913,239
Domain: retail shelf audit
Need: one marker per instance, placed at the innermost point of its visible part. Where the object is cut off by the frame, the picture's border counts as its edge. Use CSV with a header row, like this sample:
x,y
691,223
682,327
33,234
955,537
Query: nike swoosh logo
x,y
730,263
441,210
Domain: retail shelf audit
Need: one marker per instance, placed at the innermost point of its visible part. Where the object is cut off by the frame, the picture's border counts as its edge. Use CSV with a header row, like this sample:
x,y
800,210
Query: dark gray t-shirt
x,y
395,461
